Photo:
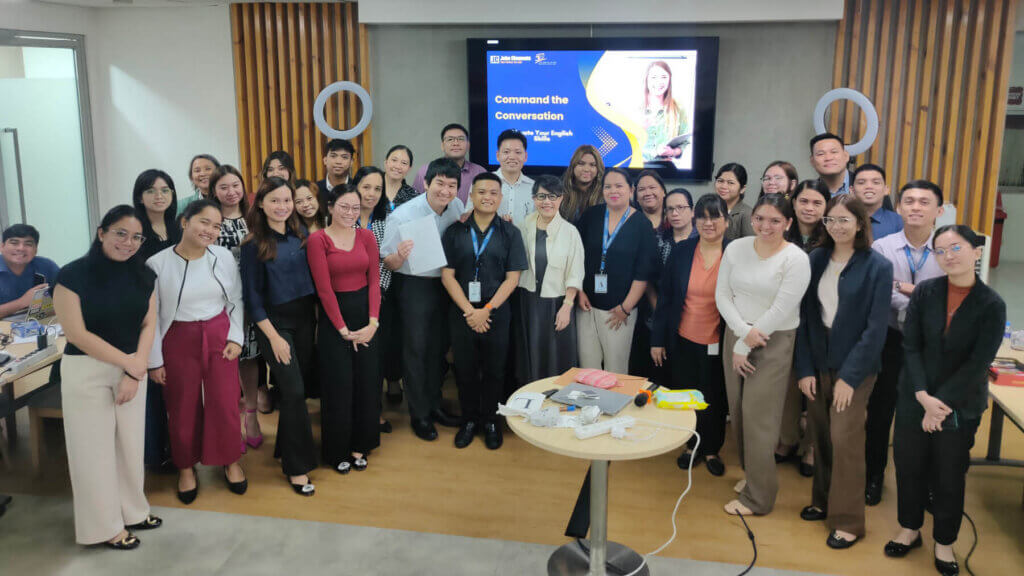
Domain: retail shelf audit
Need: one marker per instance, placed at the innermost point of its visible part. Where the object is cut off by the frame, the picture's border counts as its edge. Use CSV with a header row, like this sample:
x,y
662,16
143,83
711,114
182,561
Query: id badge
x,y
713,349
600,283
474,292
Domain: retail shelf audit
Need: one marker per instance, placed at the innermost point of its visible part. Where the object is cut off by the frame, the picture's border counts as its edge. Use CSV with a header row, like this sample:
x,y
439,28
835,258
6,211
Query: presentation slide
x,y
635,106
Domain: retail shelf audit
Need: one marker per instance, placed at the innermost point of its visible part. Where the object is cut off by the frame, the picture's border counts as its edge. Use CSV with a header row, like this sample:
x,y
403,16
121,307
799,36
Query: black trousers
x,y
423,303
389,336
693,368
640,362
157,444
349,384
295,322
480,361
882,406
938,460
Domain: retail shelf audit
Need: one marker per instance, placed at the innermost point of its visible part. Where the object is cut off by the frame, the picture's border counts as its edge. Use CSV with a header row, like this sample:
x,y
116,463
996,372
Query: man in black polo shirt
x,y
485,255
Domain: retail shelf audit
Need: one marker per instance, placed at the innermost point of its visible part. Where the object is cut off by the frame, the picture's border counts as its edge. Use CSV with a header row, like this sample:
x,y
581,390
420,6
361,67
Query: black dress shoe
x,y
683,461
465,434
394,392
492,435
385,427
837,543
715,466
894,549
789,455
446,418
873,491
806,470
424,429
947,568
236,487
151,522
813,514
189,496
130,542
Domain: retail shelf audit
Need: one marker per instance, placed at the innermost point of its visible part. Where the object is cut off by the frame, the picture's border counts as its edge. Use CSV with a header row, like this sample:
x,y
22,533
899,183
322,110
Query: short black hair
x,y
511,134
868,168
964,232
336,145
550,183
621,172
923,185
453,126
487,176
442,167
686,194
21,231
710,206
825,136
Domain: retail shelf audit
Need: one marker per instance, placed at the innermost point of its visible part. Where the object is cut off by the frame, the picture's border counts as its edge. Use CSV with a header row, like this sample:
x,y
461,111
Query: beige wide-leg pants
x,y
105,448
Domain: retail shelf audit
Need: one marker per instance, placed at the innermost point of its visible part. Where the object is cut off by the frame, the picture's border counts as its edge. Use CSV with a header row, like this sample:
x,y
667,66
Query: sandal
x,y
149,523
129,542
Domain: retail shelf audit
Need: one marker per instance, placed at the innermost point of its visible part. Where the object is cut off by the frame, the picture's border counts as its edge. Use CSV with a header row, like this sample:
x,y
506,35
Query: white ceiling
x,y
144,3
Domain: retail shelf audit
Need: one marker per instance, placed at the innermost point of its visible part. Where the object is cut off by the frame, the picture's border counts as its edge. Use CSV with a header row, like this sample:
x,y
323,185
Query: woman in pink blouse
x,y
344,263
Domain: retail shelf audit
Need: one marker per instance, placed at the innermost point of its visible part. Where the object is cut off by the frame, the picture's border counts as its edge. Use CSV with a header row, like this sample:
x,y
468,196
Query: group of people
x,y
799,315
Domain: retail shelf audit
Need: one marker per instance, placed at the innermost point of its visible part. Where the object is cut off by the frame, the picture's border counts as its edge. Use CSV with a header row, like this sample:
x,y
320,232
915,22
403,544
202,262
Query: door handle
x,y
17,168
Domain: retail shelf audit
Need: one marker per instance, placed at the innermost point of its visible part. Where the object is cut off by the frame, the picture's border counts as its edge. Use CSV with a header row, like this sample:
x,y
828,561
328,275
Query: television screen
x,y
641,102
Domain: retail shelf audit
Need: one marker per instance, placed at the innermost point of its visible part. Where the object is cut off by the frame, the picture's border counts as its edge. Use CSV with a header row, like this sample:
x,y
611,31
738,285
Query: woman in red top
x,y
344,263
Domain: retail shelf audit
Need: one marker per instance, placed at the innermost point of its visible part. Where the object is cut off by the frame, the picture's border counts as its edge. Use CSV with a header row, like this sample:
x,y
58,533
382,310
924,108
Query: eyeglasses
x,y
954,249
548,196
832,221
162,191
123,235
454,139
680,209
776,179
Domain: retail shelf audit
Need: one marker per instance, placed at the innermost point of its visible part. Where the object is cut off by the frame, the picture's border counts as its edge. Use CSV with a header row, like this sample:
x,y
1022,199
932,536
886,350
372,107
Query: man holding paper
x,y
412,249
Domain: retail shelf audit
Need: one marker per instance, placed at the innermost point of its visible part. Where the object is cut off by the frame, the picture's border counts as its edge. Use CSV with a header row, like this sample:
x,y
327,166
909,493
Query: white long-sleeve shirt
x,y
760,293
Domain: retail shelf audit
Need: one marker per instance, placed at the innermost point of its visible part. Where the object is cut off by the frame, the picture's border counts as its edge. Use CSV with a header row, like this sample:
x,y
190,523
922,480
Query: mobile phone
x,y
38,279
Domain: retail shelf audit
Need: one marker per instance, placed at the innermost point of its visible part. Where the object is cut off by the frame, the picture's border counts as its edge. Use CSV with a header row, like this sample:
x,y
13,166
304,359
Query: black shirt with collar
x,y
504,253
632,256
325,194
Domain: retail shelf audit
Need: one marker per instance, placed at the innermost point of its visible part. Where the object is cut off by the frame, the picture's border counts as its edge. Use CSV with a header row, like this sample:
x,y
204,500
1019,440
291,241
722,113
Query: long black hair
x,y
380,211
819,233
145,182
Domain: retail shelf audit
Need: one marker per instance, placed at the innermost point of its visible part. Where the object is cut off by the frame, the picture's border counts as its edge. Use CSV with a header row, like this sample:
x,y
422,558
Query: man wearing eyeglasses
x,y
455,145
913,261
22,273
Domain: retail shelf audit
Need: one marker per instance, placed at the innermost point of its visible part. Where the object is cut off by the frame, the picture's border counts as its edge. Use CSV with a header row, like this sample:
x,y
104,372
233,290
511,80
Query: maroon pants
x,y
201,393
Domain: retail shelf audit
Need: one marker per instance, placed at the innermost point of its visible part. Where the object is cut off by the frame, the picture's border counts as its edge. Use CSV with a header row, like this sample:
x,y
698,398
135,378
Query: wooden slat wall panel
x,y
284,55
937,71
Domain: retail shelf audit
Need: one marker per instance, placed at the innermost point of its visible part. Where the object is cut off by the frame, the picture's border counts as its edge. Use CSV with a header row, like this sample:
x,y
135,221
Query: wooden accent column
x,y
937,72
284,55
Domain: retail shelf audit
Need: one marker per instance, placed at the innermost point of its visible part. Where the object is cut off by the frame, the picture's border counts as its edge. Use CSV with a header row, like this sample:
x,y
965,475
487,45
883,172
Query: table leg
x,y
12,423
995,433
596,557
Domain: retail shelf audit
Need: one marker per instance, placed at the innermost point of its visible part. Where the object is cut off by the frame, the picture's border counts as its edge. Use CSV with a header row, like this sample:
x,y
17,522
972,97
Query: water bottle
x,y
1008,332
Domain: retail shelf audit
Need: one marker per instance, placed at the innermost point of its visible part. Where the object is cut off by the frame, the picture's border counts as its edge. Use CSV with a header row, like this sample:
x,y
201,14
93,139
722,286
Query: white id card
x,y
474,292
713,349
600,283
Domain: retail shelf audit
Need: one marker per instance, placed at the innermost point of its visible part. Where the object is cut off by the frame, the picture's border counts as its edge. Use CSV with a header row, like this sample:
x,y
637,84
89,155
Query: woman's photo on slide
x,y
665,122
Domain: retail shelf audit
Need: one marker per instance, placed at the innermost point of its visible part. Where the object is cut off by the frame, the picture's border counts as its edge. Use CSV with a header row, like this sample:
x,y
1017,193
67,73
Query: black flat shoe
x,y
947,568
424,429
789,455
465,434
307,489
385,427
189,496
149,523
813,514
360,464
130,542
492,436
837,543
894,549
715,466
683,461
873,492
446,419
236,487
394,392
806,470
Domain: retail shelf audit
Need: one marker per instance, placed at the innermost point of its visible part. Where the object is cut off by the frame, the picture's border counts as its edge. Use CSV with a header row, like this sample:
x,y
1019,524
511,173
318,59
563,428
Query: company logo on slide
x,y
500,59
495,59
542,60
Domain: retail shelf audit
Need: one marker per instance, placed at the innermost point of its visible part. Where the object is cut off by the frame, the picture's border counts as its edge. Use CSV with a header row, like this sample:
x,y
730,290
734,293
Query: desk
x,y
8,385
1006,401
570,559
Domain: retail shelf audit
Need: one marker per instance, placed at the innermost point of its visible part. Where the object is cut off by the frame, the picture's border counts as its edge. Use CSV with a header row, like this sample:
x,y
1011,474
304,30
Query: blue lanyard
x,y
391,206
478,249
369,222
914,268
609,238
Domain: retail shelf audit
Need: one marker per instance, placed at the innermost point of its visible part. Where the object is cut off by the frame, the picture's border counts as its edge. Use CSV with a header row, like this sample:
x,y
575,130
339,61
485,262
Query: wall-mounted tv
x,y
642,102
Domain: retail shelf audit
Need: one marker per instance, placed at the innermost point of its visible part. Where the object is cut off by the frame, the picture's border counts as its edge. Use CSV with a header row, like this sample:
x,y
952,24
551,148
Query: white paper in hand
x,y
427,253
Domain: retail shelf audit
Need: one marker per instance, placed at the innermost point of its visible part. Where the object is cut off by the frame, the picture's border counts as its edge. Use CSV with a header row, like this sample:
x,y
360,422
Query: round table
x,y
570,560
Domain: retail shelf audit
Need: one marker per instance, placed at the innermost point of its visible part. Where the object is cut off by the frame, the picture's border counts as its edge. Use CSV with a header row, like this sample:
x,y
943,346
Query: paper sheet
x,y
427,253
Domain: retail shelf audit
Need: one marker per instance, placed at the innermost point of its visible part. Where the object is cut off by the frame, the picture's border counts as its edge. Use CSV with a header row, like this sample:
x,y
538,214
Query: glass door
x,y
47,168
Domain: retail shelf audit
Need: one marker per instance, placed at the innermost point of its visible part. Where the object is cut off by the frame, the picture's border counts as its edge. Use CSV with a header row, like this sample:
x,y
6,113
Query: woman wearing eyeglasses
x,y
105,303
731,186
953,329
761,281
779,177
196,348
548,288
843,321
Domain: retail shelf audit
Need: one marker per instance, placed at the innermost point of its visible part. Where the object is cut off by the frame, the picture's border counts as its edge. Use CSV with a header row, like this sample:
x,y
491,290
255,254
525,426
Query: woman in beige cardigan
x,y
547,290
